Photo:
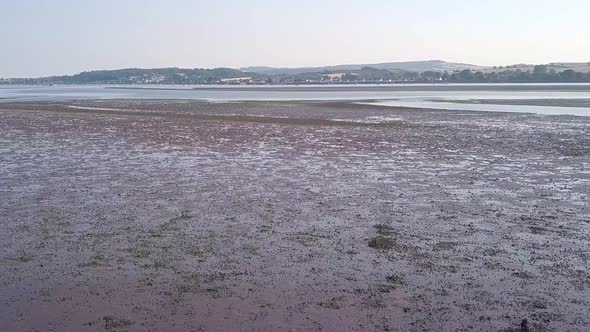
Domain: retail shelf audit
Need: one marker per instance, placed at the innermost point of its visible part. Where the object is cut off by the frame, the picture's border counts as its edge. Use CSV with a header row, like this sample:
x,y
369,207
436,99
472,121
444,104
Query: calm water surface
x,y
419,95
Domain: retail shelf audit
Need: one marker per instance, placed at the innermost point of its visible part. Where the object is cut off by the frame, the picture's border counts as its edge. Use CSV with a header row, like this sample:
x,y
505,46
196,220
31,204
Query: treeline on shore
x,y
540,74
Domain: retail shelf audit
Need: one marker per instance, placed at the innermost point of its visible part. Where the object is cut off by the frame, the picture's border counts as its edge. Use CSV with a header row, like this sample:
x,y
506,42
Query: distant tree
x,y
540,73
540,70
568,75
466,75
493,77
431,76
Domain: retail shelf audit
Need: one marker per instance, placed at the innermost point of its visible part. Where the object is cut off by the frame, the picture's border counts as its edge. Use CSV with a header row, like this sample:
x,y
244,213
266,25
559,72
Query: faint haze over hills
x,y
43,38
419,66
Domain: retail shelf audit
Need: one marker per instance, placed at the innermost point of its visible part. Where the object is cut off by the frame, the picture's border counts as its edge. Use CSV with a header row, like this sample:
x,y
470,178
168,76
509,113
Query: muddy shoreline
x,y
179,215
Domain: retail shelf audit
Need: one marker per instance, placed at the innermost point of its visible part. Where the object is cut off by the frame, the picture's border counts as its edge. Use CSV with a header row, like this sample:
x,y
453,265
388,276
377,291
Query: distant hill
x,y
414,66
140,76
431,71
580,67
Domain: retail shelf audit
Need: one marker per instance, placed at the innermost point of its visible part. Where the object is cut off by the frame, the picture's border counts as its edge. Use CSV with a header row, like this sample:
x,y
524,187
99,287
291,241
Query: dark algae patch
x,y
382,243
116,324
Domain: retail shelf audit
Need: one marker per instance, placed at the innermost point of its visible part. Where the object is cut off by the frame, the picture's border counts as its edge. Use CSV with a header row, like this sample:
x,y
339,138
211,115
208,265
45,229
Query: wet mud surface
x,y
531,102
188,216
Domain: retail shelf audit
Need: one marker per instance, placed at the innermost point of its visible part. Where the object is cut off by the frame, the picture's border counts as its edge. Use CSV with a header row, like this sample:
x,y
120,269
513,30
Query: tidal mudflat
x,y
528,102
178,215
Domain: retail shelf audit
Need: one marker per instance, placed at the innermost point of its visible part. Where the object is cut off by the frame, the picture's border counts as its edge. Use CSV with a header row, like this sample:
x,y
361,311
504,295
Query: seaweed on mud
x,y
395,280
193,282
116,324
573,152
523,275
538,230
264,228
383,240
528,326
382,243
383,229
95,261
491,252
24,257
373,295
444,246
333,303
306,239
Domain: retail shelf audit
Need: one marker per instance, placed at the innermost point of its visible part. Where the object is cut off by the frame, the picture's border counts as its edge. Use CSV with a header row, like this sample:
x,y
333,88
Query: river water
x,y
417,95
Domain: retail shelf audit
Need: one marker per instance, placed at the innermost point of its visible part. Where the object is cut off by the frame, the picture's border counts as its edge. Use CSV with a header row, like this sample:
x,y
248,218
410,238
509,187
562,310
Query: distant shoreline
x,y
377,88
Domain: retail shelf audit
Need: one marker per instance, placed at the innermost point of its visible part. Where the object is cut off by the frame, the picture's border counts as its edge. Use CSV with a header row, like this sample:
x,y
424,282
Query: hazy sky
x,y
67,36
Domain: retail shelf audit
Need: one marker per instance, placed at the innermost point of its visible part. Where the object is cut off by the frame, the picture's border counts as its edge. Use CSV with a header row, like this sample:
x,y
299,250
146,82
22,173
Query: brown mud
x,y
257,216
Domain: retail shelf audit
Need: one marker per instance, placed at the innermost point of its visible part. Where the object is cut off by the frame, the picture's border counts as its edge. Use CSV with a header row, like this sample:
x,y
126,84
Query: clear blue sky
x,y
67,36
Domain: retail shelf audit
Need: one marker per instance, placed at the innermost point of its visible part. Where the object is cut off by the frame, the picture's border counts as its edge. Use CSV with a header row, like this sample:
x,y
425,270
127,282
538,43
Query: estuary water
x,y
437,96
